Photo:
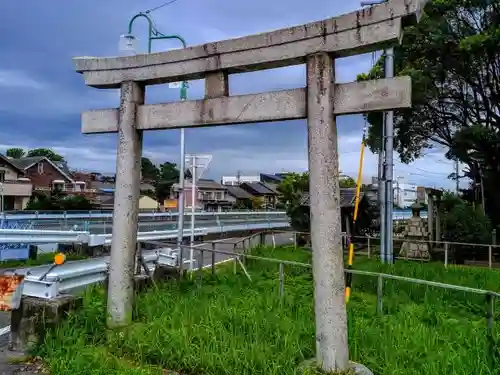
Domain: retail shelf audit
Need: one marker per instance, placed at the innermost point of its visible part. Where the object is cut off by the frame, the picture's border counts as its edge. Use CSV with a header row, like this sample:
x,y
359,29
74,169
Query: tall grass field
x,y
233,326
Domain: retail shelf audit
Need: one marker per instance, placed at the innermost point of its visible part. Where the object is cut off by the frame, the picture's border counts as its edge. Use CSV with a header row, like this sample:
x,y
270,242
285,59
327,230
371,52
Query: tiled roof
x,y
238,192
258,188
202,183
24,163
274,177
347,197
10,162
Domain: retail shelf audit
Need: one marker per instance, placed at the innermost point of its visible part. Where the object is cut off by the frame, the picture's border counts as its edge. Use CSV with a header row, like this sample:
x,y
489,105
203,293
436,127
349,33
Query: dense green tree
x,y
15,153
47,152
464,223
58,201
453,57
149,170
347,182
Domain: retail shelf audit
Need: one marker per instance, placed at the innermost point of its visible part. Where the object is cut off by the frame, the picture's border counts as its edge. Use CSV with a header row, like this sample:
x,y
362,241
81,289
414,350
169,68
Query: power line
x,y
167,3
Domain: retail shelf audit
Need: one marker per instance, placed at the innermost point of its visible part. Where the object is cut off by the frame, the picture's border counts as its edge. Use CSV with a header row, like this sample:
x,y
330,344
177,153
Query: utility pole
x,y
386,165
389,155
457,182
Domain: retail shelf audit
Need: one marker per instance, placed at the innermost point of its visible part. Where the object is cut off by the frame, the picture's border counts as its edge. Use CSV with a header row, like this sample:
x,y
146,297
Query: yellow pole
x,y
355,216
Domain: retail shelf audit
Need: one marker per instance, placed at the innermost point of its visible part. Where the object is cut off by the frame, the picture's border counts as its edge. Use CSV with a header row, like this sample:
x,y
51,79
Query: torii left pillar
x,y
126,207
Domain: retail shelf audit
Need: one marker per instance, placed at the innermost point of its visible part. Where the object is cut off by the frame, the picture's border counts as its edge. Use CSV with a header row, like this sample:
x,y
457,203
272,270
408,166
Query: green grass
x,y
234,326
41,259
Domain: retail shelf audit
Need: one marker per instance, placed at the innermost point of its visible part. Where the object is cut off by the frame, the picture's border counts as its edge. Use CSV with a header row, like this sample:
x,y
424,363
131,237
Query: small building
x,y
15,187
405,194
237,180
260,190
239,197
145,204
210,195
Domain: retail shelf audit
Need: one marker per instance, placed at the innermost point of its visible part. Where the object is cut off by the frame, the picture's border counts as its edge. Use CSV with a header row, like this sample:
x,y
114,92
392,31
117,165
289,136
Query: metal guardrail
x,y
33,236
52,236
48,282
104,215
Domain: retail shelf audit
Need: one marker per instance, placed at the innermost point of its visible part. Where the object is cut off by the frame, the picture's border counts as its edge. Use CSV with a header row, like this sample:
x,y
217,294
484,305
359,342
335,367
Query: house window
x,y
2,176
218,196
40,168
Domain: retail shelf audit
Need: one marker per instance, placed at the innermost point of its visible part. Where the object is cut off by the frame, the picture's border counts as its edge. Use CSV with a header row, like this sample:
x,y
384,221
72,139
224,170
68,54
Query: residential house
x,y
239,197
145,204
47,176
15,187
260,190
105,190
210,195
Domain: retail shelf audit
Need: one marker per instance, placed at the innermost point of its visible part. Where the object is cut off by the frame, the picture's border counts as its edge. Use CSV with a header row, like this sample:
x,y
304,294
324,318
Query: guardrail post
x,y
294,240
234,263
490,256
282,280
200,266
380,292
446,246
369,248
490,315
213,258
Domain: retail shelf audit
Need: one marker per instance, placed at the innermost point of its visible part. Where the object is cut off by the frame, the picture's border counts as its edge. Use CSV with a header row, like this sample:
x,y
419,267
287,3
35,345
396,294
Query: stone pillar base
x,y
309,367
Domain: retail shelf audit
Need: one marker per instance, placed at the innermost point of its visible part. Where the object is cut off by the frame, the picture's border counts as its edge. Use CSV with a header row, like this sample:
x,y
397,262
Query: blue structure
x,y
18,251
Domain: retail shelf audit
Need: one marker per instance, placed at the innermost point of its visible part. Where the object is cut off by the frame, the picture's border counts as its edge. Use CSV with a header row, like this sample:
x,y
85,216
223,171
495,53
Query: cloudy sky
x,y
41,96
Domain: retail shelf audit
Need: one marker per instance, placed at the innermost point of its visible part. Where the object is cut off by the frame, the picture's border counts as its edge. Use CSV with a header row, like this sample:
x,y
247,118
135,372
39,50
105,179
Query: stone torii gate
x,y
317,45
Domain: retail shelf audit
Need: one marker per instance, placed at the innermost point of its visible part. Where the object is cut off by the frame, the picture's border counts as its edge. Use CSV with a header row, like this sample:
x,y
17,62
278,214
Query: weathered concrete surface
x,y
326,238
216,85
349,98
126,207
309,367
351,41
351,33
29,321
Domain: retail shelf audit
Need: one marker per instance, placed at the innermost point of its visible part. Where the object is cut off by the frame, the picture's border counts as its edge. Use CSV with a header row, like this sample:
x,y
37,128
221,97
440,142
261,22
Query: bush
x,y
462,222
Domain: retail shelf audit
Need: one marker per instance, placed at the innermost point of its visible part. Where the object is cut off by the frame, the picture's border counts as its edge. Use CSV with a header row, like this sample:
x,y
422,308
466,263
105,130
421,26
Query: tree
x,y
452,56
48,153
168,175
292,190
347,182
15,153
149,170
464,223
257,203
58,201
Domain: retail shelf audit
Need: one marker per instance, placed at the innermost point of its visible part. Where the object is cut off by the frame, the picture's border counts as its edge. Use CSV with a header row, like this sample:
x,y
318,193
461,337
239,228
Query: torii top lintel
x,y
358,32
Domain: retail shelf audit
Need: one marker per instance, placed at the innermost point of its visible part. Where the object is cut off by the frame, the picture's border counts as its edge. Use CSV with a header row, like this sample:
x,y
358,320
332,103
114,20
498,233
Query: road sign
x,y
197,164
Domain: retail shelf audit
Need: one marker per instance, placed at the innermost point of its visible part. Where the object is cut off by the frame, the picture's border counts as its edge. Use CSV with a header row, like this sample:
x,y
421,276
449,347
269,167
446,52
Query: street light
x,y
129,43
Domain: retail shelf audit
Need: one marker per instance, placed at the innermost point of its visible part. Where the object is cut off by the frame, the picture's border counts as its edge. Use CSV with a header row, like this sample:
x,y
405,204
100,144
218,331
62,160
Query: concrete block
x,y
34,316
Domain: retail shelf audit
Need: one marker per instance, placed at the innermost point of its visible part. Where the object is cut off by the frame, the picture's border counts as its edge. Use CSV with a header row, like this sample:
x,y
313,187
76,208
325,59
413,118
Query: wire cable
x,y
167,3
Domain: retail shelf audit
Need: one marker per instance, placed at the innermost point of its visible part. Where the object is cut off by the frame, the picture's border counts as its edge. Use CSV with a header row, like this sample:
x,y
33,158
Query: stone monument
x,y
415,245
